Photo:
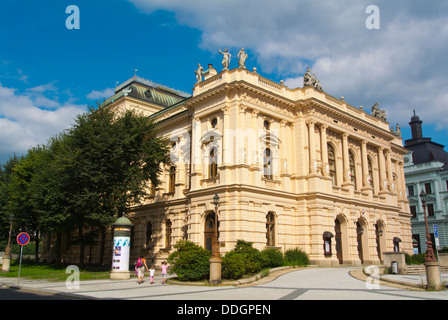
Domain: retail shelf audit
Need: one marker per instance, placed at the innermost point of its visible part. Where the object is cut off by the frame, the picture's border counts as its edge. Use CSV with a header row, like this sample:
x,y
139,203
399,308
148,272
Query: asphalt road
x,y
15,294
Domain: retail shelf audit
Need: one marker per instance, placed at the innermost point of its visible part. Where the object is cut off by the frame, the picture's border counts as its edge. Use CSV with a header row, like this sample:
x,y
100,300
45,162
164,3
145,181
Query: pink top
x,y
164,267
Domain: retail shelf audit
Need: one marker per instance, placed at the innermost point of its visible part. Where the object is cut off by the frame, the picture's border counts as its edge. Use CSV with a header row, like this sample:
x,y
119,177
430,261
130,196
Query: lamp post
x,y
431,263
7,257
215,260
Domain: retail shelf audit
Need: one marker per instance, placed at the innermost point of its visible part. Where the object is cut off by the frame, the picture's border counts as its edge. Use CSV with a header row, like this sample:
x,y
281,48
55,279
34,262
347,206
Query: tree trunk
x,y
81,246
36,249
103,245
58,247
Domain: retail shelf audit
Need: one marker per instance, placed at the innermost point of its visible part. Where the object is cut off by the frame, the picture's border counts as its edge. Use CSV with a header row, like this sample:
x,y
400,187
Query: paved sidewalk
x,y
131,290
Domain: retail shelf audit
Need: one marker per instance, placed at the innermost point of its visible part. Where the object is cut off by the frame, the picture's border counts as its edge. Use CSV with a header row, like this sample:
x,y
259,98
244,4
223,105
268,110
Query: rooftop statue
x,y
310,80
199,73
225,59
242,56
377,112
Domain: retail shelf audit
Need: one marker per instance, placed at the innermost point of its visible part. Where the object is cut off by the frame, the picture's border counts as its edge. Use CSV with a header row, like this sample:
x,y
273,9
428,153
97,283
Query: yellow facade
x,y
309,163
294,168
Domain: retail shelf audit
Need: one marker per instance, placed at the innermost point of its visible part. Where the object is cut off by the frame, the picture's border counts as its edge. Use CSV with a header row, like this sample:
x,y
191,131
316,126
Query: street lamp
x,y
215,260
215,247
429,250
431,263
7,257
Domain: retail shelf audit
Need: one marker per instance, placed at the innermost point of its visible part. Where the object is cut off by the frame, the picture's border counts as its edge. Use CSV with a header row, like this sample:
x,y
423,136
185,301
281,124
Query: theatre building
x,y
293,168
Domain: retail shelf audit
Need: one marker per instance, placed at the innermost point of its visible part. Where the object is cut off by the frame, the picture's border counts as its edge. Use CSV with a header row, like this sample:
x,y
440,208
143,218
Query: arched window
x,y
352,169
266,125
270,229
214,122
213,163
267,164
168,232
332,163
209,231
172,180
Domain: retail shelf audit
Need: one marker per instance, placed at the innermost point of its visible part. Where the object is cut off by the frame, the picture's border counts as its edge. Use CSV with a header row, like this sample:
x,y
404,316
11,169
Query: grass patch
x,y
50,272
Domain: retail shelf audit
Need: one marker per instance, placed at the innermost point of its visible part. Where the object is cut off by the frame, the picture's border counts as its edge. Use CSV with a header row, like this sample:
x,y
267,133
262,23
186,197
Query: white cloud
x,y
103,94
23,124
400,65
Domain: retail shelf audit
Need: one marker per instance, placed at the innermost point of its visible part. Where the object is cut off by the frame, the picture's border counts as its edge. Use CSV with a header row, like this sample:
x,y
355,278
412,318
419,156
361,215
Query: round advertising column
x,y
121,249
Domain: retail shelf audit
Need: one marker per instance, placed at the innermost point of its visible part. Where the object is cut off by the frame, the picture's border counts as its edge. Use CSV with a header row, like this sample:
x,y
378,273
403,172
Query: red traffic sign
x,y
23,238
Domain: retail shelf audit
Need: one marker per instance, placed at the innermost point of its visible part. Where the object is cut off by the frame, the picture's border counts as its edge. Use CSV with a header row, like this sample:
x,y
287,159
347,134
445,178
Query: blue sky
x,y
49,73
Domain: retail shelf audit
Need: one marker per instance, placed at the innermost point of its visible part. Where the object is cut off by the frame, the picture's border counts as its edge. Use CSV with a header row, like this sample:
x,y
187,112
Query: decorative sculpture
x,y
127,91
199,73
242,56
225,59
398,131
377,112
310,80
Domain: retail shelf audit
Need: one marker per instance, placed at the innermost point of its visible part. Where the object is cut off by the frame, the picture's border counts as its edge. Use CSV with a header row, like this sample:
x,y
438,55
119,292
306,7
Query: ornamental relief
x,y
286,111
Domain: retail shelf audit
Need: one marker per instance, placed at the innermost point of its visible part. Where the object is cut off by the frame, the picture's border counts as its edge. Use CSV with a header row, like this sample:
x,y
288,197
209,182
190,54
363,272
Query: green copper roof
x,y
123,221
149,91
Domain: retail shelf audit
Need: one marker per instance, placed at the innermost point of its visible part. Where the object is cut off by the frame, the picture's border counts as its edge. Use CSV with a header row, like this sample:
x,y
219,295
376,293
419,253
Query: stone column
x,y
283,169
196,156
324,149
390,177
253,145
226,158
365,165
382,168
345,157
312,149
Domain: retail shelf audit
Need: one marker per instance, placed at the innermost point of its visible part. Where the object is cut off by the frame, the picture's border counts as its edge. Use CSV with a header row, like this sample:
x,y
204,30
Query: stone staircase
x,y
420,269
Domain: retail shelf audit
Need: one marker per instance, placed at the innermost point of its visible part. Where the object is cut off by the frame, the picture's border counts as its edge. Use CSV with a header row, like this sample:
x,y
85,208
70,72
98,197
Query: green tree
x,y
5,188
46,196
26,217
110,158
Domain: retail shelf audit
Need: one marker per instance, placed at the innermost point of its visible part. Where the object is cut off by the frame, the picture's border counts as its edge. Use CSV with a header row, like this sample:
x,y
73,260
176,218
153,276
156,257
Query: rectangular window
x,y
168,231
430,211
410,191
414,211
172,180
428,188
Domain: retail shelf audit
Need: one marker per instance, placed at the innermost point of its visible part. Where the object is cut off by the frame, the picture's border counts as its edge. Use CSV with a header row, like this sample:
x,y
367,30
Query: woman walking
x,y
140,266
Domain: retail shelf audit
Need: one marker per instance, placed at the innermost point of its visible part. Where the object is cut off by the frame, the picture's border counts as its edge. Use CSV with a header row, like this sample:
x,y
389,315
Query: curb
x,y
273,274
386,281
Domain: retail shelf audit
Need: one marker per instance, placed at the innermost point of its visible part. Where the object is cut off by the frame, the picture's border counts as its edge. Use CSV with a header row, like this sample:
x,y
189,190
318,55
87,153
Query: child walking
x,y
152,273
164,268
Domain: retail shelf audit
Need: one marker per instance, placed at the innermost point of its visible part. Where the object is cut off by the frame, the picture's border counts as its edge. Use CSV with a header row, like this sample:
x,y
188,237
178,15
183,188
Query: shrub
x,y
296,257
233,265
272,258
190,262
415,259
251,256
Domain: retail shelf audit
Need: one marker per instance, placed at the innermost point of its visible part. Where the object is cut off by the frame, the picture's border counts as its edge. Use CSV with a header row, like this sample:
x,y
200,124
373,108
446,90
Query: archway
x,y
362,239
341,238
209,230
380,229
